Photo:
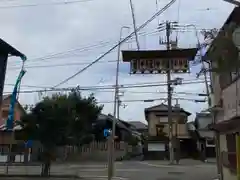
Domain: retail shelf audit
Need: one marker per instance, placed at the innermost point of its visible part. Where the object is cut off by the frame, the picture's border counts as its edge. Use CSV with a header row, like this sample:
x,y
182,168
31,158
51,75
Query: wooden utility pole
x,y
169,90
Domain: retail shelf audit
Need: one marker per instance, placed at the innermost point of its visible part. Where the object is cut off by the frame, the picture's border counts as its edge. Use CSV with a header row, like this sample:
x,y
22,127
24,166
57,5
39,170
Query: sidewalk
x,y
186,162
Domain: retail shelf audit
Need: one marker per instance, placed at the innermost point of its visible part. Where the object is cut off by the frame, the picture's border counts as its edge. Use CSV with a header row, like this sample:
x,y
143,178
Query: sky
x,y
75,34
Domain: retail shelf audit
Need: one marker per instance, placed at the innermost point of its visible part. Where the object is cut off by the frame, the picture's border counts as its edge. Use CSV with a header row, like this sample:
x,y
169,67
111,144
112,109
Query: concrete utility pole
x,y
115,114
169,89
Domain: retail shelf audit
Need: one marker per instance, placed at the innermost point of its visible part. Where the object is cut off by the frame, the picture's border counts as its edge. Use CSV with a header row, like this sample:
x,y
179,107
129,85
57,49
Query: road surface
x,y
129,170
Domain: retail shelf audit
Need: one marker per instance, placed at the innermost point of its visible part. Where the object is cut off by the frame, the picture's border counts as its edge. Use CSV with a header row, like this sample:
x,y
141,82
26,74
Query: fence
x,y
95,151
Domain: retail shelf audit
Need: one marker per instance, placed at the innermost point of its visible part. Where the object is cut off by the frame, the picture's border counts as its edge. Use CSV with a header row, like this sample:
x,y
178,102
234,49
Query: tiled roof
x,y
138,124
110,117
164,107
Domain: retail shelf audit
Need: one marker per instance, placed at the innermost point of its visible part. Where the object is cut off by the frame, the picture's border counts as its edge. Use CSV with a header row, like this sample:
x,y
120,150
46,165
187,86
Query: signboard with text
x,y
158,61
158,66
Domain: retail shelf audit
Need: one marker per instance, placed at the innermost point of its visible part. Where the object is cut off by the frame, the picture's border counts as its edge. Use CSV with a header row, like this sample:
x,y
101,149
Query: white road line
x,y
104,177
154,165
117,169
161,165
92,170
128,170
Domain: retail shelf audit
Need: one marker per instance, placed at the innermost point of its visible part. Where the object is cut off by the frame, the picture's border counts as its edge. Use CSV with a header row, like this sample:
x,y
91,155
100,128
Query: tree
x,y
60,120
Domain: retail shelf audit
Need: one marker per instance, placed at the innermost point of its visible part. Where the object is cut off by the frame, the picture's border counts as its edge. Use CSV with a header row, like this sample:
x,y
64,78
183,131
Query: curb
x,y
60,177
39,176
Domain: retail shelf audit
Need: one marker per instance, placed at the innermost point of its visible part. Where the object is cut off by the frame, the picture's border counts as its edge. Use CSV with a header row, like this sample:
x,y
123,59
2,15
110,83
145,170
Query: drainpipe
x,y
238,155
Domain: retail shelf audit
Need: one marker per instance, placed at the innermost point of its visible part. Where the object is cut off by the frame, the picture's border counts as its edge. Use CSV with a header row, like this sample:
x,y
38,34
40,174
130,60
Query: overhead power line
x,y
75,52
154,99
115,46
85,48
142,100
101,87
44,4
111,85
58,65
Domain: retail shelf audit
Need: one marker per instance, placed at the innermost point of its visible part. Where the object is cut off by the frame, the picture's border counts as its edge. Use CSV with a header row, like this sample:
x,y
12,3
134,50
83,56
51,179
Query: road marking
x,y
105,169
161,165
128,170
154,165
177,166
104,177
86,166
92,170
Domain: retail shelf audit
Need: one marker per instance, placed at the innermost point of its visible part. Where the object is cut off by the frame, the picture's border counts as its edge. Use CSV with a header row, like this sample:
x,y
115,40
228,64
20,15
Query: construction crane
x,y
134,24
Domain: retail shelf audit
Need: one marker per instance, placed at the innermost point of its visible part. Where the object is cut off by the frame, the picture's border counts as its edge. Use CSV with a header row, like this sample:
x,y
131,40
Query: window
x,y
210,143
159,129
4,114
234,75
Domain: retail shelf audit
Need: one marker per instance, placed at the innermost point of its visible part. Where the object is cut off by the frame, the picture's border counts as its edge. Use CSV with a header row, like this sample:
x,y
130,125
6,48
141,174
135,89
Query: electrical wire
x,y
162,92
31,86
44,4
80,49
121,85
128,84
156,92
143,100
118,44
59,65
101,87
154,99
85,48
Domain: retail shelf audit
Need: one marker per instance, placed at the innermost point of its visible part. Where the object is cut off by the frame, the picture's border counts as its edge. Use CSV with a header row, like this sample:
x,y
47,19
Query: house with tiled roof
x,y
156,146
18,112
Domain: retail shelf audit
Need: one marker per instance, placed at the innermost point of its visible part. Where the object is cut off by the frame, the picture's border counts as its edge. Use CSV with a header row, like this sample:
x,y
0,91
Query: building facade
x,y
156,146
224,57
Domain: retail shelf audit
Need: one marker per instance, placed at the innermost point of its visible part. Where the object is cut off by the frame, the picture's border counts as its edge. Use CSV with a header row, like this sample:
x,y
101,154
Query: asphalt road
x,y
129,170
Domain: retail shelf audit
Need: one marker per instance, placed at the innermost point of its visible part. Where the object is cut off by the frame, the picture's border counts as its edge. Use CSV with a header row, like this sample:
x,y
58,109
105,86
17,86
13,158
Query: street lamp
x,y
115,110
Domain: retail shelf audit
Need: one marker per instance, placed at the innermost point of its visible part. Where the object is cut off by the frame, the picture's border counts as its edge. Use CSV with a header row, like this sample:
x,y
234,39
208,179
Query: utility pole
x,y
111,157
169,90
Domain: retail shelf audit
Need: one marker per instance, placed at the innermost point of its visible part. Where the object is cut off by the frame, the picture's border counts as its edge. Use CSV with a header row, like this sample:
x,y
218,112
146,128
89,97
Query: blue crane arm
x,y
13,100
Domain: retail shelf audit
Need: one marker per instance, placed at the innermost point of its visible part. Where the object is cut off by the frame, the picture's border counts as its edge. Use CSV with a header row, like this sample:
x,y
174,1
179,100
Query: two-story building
x,y
158,132
223,55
